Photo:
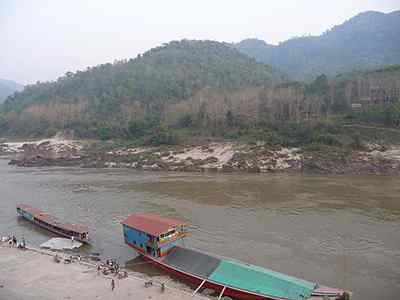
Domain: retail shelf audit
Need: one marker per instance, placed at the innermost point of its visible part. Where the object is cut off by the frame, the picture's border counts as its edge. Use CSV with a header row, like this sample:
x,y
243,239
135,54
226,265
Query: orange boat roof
x,y
45,217
152,224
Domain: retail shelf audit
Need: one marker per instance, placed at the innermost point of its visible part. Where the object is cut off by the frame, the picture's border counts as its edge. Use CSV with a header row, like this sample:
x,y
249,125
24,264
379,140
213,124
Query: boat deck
x,y
192,261
240,275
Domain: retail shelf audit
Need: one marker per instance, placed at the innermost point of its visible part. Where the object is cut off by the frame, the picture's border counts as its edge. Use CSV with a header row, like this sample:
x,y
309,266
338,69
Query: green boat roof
x,y
262,281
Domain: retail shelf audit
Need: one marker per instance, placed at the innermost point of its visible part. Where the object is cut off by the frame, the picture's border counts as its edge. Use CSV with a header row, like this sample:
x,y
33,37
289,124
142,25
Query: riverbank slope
x,y
207,155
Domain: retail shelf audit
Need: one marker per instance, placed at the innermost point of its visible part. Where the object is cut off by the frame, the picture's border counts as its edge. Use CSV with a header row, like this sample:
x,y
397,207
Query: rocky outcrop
x,y
212,157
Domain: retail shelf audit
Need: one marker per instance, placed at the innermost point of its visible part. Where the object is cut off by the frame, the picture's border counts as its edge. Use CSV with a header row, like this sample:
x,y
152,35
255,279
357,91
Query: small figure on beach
x,y
56,259
116,268
112,284
162,287
98,268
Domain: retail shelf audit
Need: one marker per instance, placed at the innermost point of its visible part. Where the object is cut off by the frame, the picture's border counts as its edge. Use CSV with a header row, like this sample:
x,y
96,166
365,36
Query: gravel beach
x,y
28,274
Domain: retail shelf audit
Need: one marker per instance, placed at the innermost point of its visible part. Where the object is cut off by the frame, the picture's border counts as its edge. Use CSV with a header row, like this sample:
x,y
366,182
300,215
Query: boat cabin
x,y
51,223
150,234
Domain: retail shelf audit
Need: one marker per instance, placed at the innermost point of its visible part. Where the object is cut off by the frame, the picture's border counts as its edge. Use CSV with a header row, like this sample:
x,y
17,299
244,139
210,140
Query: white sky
x,y
43,39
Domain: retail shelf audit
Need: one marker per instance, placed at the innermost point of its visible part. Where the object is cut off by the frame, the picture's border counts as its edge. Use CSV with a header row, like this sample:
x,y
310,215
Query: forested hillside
x,y
190,88
366,41
110,95
8,87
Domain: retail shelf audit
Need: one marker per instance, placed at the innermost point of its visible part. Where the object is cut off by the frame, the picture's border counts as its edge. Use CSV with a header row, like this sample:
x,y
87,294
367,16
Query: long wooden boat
x,y
156,239
47,221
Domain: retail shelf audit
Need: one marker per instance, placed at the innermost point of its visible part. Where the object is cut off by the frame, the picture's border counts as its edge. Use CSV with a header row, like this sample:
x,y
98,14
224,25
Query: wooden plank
x,y
222,293
199,287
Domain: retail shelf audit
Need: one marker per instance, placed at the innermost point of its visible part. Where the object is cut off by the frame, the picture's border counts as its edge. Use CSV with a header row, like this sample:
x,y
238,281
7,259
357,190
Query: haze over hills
x,y
8,87
366,41
212,86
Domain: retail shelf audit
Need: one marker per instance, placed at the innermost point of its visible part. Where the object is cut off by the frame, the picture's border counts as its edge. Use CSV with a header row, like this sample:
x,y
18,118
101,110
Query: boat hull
x,y
51,229
196,281
320,293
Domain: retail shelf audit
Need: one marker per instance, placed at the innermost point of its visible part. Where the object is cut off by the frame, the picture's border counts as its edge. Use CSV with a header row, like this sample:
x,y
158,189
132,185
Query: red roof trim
x,y
151,223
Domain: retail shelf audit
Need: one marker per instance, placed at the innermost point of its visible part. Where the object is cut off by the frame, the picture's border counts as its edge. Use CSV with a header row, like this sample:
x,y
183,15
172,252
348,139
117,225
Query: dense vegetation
x,y
368,40
106,97
203,89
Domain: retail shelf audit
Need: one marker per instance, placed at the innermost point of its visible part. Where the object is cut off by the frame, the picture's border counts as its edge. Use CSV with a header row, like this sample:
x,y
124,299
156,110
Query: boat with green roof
x,y
157,238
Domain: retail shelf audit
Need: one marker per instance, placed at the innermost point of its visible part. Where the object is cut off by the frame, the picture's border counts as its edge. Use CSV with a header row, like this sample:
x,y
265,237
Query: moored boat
x,y
47,221
157,239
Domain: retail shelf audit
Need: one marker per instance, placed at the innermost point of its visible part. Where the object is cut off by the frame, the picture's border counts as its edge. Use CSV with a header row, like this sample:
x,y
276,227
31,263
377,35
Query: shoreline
x,y
222,157
31,273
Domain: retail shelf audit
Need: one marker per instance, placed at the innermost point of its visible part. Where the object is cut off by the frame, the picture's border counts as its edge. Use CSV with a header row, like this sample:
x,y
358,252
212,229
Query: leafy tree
x,y
185,121
163,136
104,132
230,118
137,128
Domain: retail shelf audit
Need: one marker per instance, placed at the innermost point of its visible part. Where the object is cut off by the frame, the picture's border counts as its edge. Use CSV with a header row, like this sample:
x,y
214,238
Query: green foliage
x,y
167,73
137,129
319,86
3,123
104,132
163,75
184,121
388,115
230,119
163,136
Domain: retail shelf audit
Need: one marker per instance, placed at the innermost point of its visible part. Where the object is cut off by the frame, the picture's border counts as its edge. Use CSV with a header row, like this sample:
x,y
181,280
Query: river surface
x,y
341,231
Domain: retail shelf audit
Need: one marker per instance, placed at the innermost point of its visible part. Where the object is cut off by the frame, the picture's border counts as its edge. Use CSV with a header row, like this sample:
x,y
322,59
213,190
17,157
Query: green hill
x,y
114,94
366,41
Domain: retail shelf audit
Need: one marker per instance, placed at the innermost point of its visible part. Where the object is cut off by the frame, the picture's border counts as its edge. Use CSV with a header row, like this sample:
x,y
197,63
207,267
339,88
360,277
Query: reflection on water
x,y
338,230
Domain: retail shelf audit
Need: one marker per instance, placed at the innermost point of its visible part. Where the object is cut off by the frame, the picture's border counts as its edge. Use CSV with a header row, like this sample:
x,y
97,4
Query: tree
x,y
104,132
230,119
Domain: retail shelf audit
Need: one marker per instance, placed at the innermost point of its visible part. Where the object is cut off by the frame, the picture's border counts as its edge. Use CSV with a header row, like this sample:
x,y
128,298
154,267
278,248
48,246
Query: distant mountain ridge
x,y
366,41
8,87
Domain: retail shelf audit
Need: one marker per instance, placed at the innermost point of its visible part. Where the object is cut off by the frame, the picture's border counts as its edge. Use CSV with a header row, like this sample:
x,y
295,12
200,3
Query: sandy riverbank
x,y
28,274
222,156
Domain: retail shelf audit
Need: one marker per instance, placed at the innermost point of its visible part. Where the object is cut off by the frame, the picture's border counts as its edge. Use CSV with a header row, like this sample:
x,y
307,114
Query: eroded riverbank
x,y
222,156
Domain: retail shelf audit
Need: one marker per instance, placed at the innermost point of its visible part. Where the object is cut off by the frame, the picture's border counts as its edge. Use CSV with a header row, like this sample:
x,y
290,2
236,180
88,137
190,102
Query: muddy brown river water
x,y
341,231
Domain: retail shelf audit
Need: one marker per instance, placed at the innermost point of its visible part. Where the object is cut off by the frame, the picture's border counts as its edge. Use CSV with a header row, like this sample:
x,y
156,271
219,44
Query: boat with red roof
x,y
51,223
156,238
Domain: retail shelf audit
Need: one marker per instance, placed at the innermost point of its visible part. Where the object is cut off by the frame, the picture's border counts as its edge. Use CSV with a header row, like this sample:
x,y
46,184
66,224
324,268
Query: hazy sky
x,y
42,39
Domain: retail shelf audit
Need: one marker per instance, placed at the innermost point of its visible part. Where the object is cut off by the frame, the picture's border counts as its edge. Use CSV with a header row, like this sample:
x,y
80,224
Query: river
x,y
342,231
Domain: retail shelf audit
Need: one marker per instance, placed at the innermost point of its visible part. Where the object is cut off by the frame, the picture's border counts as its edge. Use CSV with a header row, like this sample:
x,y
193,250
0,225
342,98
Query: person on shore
x,y
98,269
112,284
116,268
14,240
